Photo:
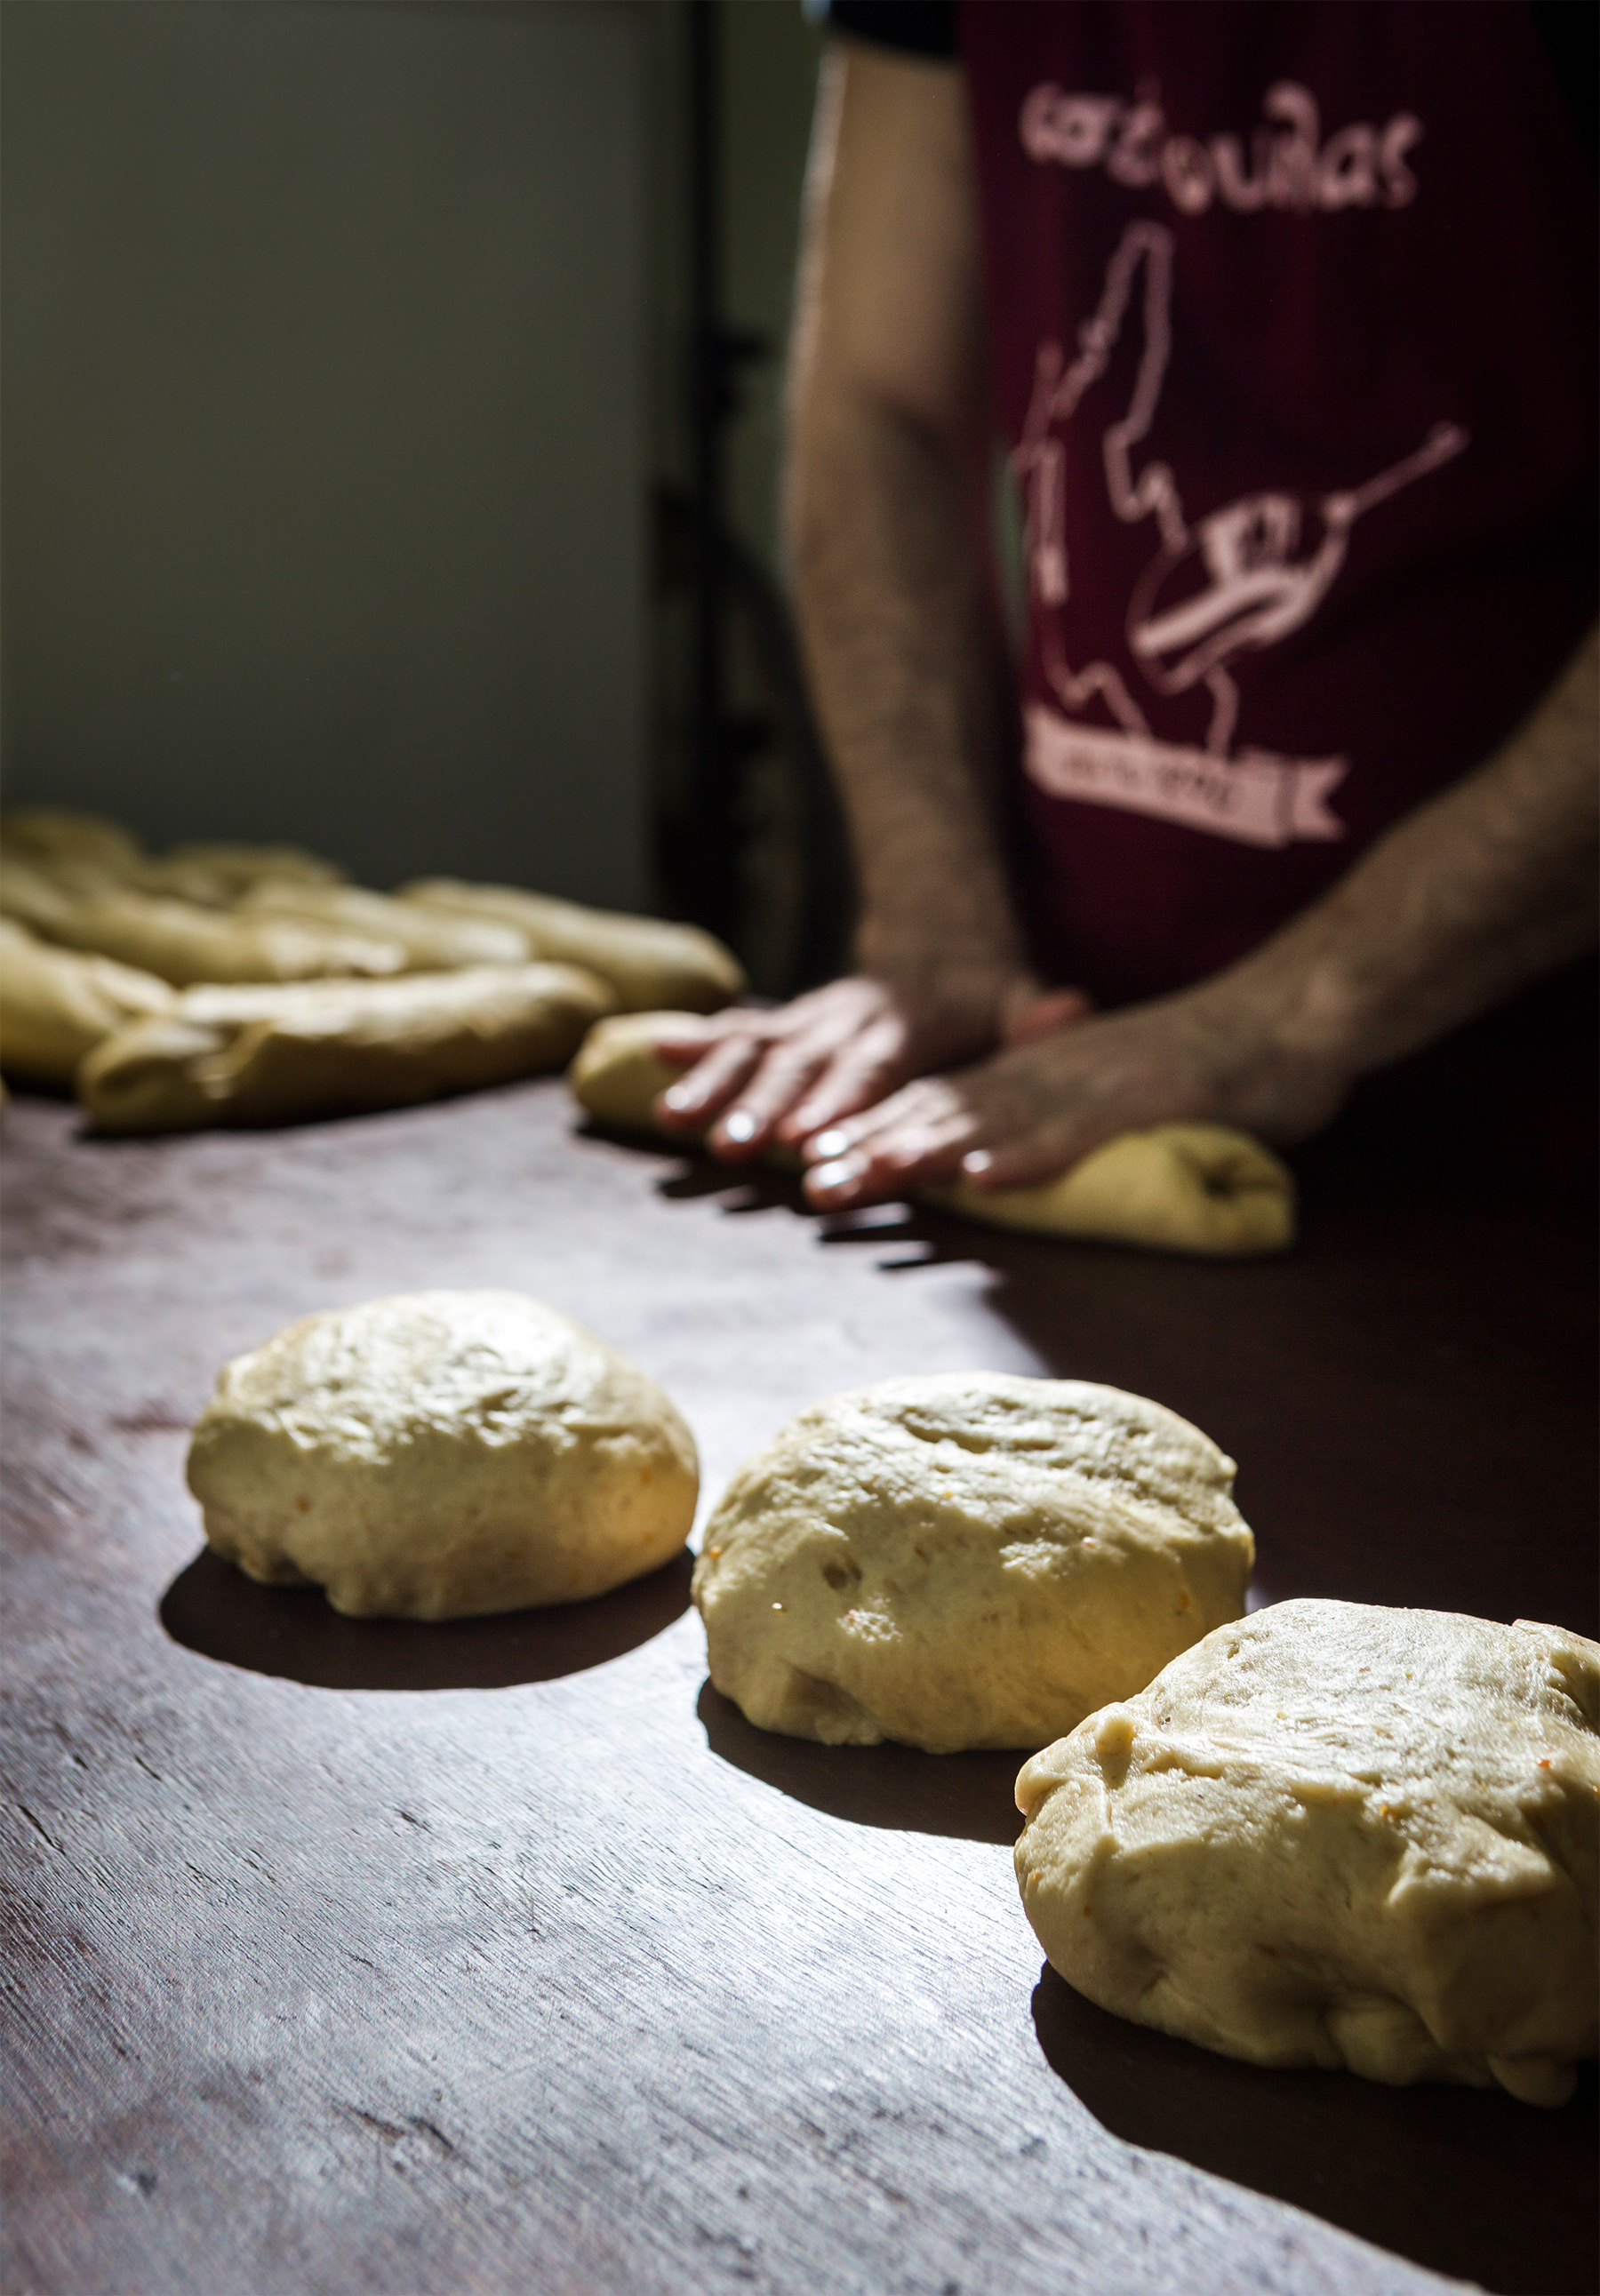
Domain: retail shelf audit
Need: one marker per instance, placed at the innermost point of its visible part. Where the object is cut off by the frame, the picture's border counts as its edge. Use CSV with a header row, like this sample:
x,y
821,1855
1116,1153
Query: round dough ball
x,y
965,1560
1337,1835
442,1454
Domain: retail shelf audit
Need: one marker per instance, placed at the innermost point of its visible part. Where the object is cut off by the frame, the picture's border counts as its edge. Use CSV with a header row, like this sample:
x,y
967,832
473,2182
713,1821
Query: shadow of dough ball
x,y
970,1560
440,1455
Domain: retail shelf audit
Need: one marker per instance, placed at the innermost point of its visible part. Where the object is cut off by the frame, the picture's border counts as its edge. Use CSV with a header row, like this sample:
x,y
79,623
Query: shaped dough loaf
x,y
56,1006
433,940
216,873
650,961
320,1049
970,1560
67,844
442,1455
1338,1835
48,833
184,943
1177,1187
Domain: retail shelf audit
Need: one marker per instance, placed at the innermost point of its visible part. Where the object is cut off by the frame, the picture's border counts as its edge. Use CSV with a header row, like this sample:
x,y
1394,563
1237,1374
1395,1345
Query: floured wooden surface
x,y
549,1971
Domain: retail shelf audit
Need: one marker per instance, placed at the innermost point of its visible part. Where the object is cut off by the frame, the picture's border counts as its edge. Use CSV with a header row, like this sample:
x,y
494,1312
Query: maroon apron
x,y
1292,316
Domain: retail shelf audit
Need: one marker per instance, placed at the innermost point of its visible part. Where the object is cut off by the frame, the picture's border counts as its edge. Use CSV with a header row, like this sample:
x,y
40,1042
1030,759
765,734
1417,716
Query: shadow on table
x,y
295,1633
1466,2182
969,1796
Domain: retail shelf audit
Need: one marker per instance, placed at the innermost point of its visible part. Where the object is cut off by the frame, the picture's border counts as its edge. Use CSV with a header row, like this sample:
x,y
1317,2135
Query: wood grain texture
x,y
352,1956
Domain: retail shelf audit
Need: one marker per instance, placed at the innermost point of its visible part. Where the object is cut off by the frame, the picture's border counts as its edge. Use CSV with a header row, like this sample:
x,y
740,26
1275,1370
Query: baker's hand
x,y
783,1075
1036,1109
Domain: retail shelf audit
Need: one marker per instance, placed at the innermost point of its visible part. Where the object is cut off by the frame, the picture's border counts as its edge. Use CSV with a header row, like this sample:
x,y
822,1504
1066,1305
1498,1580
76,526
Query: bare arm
x,y
1466,899
888,447
888,465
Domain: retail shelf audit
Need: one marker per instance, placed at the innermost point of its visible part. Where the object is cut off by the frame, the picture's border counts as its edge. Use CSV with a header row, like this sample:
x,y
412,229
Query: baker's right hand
x,y
782,1075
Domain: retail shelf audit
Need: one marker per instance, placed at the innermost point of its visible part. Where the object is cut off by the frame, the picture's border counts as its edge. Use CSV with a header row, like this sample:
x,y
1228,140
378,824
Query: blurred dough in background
x,y
219,874
184,943
433,940
48,833
650,961
85,852
499,984
56,1005
619,1075
267,1055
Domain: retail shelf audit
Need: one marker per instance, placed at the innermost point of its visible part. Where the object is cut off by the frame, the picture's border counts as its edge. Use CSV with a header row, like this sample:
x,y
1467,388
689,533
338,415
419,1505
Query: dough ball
x,y
1176,1187
618,1073
649,960
1337,1835
965,1560
56,1006
440,1454
278,1056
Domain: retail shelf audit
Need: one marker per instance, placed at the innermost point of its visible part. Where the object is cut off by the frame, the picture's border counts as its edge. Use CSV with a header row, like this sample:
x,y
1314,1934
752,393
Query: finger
x,y
1033,1159
709,1086
921,1141
779,1079
857,1078
694,1037
851,1134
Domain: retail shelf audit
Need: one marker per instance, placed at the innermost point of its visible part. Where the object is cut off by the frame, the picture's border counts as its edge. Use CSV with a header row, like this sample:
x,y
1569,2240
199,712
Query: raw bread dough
x,y
1338,1835
184,943
433,940
46,832
968,1560
1175,1187
440,1454
56,1006
85,853
648,961
619,1075
213,872
273,1055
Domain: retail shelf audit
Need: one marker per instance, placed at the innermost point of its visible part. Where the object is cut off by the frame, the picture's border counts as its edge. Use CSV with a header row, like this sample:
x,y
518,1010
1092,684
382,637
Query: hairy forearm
x,y
1466,900
884,511
899,646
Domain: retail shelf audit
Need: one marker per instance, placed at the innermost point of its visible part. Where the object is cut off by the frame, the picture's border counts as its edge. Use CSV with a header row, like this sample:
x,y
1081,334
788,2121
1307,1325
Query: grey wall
x,y
324,399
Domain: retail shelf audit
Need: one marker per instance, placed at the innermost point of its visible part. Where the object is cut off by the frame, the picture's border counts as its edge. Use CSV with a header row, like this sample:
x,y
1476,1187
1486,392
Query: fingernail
x,y
678,1096
839,1174
977,1164
740,1127
829,1144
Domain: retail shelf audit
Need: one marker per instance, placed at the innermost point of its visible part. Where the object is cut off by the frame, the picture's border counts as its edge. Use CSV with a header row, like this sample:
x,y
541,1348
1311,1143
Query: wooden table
x,y
505,1955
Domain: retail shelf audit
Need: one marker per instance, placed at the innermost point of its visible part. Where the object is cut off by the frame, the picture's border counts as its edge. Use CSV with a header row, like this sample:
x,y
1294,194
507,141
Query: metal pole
x,y
711,843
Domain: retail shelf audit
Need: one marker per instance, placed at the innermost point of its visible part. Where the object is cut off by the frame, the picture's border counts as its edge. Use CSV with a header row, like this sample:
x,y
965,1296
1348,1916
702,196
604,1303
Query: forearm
x,y
1466,900
885,506
899,647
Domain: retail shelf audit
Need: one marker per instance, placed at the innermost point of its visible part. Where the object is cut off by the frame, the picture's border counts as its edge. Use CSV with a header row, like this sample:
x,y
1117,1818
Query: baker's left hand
x,y
1033,1111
